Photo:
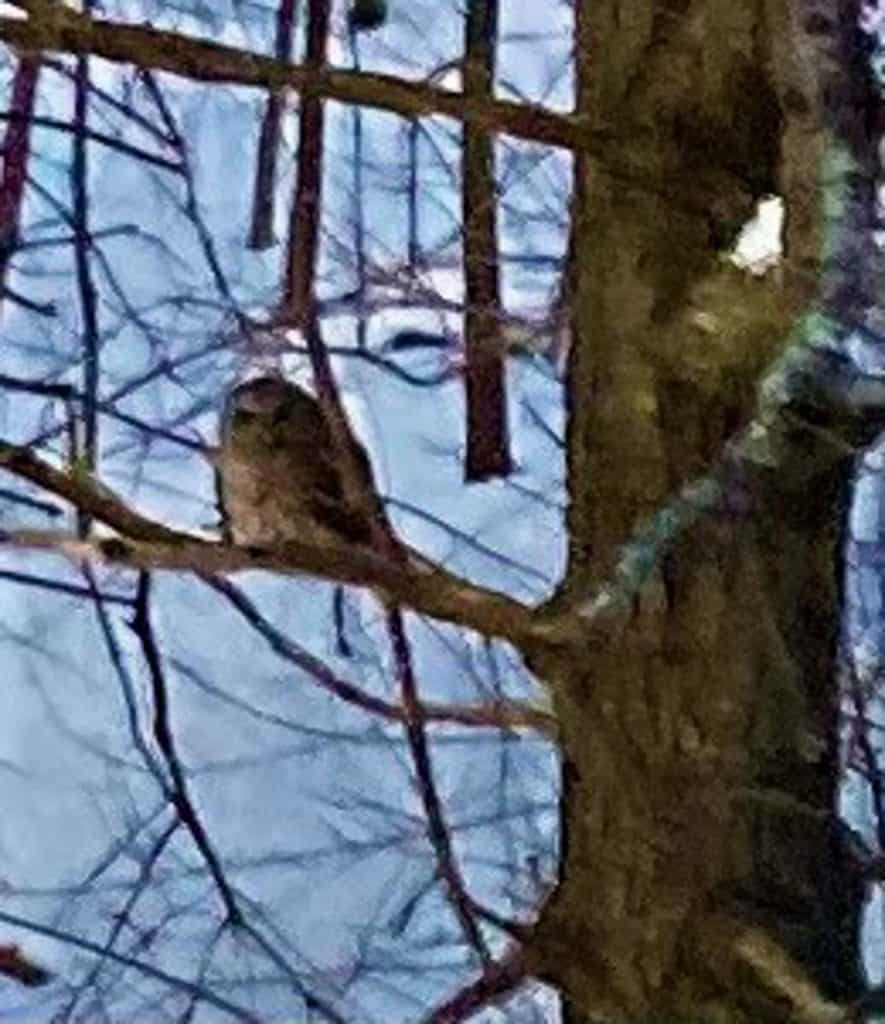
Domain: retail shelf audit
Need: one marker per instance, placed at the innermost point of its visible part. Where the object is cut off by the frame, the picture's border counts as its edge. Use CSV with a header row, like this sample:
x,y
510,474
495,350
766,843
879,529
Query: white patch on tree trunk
x,y
759,245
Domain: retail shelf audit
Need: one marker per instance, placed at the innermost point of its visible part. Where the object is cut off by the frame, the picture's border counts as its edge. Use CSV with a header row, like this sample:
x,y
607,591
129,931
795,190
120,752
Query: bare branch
x,y
437,826
261,235
177,791
299,296
201,993
500,714
16,148
488,440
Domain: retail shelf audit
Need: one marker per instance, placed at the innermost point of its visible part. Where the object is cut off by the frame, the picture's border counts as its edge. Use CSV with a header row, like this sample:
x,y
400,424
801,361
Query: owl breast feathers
x,y
277,473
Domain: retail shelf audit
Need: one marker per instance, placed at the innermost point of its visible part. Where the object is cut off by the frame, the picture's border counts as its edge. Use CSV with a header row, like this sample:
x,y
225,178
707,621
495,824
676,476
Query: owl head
x,y
261,395
272,399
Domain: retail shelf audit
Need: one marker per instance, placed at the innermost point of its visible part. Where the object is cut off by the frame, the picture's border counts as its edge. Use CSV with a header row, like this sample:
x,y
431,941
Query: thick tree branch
x,y
62,29
146,544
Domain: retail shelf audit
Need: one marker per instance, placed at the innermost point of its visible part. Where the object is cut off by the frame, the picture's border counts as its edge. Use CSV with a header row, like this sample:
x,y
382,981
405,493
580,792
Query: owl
x,y
277,474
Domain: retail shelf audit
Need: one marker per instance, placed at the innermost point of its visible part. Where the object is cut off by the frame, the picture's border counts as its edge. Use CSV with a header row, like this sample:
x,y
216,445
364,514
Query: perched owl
x,y
277,474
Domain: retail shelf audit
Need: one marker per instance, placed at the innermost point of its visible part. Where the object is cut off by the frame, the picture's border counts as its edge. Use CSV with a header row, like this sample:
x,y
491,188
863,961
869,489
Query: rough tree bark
x,y
706,875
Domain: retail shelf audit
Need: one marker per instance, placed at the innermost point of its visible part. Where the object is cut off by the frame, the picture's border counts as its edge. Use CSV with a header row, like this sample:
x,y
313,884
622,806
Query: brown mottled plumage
x,y
277,474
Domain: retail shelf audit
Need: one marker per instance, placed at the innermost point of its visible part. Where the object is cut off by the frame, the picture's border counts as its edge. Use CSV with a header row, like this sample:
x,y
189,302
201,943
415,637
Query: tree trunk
x,y
706,876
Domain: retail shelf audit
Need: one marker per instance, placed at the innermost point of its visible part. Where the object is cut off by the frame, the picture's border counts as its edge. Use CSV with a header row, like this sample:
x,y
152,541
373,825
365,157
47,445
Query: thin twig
x,y
178,791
